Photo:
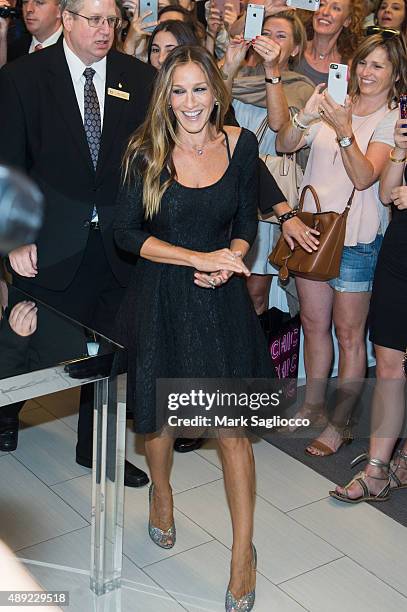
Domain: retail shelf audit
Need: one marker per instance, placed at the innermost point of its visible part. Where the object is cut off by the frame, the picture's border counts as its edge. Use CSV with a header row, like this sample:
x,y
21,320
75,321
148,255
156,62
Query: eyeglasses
x,y
386,33
97,21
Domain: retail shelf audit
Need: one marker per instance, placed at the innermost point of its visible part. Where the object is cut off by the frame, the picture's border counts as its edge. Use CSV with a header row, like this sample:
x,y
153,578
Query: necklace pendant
x,y
199,151
321,56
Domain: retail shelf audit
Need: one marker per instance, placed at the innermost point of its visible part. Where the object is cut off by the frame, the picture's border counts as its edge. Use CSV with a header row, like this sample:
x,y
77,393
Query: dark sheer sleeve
x,y
245,222
129,231
270,193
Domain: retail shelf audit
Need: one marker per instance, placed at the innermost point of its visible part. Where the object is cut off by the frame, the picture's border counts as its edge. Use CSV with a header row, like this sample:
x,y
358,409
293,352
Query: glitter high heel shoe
x,y
159,536
245,603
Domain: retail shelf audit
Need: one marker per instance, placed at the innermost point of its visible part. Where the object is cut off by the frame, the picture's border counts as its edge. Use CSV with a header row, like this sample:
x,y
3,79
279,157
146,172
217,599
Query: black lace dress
x,y
171,327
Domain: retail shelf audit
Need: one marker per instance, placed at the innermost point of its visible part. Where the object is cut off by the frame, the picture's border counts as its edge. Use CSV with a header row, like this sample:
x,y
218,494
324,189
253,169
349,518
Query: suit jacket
x,y
19,47
42,133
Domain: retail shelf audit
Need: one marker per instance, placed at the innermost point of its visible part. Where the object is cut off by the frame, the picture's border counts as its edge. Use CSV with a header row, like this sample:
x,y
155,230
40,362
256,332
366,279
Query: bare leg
x,y
159,451
350,312
387,419
316,299
258,286
239,475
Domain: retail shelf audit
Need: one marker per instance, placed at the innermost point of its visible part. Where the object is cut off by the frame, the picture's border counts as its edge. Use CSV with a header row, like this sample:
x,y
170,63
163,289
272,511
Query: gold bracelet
x,y
394,159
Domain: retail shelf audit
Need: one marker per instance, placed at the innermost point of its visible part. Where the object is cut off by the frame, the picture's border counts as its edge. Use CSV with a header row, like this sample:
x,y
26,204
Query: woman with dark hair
x,y
188,211
179,13
138,37
350,146
392,14
167,36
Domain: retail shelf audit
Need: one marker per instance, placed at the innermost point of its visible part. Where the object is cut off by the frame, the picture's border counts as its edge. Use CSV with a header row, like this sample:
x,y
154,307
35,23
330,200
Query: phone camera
x,y
337,75
8,12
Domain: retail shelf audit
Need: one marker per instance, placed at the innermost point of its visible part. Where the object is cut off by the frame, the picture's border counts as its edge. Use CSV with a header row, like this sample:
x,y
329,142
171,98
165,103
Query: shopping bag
x,y
283,339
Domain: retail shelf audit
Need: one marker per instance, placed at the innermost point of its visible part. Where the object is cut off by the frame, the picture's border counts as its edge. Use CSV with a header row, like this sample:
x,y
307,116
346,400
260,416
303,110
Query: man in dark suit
x,y
42,20
68,113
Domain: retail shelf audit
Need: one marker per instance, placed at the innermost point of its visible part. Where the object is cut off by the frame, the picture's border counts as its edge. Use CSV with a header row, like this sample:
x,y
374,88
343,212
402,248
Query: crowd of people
x,y
144,137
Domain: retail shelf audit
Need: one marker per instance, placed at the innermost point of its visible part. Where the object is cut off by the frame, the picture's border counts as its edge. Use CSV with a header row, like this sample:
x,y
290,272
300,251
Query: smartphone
x,y
403,108
306,5
147,6
220,5
338,77
254,21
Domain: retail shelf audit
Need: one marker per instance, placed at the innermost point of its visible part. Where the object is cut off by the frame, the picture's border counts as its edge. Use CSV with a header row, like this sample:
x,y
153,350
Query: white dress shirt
x,y
76,68
51,40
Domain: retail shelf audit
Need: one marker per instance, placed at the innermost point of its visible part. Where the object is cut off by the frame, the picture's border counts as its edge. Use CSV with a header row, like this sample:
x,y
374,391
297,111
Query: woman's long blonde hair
x,y
150,148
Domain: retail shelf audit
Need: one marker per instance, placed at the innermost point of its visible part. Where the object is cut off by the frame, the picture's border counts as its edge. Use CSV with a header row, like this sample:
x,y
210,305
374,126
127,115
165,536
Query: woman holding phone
x,y
188,210
350,146
388,326
336,30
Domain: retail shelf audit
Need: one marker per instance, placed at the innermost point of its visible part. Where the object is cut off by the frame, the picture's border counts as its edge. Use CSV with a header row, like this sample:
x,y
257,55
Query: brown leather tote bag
x,y
320,265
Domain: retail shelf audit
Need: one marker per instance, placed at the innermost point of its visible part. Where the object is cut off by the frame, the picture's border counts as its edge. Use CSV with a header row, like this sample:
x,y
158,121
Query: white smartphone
x,y
338,78
254,21
149,6
306,5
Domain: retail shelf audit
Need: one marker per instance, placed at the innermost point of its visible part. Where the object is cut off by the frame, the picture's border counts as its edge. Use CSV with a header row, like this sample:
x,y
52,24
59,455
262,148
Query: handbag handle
x,y
316,199
261,130
314,195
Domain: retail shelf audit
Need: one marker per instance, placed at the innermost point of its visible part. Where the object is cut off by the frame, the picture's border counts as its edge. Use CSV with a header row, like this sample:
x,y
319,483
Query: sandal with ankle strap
x,y
325,450
393,476
315,413
384,493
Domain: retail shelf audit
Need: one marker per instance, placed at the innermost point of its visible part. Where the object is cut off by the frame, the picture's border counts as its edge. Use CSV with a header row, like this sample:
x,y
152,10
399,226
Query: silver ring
x,y
321,111
307,232
267,51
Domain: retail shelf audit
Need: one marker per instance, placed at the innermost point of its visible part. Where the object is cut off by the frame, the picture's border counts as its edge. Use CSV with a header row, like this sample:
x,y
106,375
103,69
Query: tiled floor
x,y
314,554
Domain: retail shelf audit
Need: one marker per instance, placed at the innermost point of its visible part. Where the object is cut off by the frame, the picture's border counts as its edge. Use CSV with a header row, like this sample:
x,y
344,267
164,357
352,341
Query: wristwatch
x,y
273,80
345,141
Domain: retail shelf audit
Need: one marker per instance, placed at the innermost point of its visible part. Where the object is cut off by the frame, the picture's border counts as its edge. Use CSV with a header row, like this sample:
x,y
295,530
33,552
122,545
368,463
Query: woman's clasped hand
x,y
232,263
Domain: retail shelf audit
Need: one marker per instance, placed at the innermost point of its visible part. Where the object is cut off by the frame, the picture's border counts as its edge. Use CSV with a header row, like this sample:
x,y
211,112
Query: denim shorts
x,y
358,265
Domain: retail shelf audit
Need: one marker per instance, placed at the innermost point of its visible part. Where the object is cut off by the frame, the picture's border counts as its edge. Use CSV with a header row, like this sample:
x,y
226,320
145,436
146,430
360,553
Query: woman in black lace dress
x,y
188,208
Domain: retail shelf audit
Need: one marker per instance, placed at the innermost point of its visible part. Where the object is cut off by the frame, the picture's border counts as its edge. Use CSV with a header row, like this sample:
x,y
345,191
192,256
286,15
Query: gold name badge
x,y
124,95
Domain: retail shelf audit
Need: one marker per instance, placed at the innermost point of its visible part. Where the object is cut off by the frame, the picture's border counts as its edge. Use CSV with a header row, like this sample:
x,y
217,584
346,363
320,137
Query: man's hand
x,y
23,318
24,260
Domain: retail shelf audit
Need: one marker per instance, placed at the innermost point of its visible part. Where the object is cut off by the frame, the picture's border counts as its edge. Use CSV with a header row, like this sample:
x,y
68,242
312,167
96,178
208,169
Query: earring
x,y
216,103
169,106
